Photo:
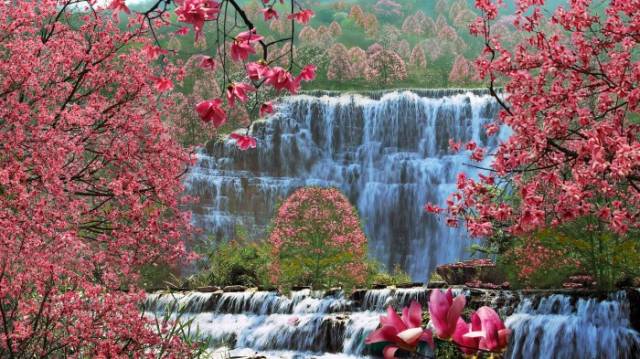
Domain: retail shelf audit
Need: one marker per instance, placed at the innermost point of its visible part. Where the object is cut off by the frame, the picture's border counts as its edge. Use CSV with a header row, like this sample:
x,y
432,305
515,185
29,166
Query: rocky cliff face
x,y
388,152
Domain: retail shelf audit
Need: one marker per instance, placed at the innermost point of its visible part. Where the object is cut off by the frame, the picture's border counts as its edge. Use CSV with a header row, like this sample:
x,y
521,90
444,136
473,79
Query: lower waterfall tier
x,y
544,324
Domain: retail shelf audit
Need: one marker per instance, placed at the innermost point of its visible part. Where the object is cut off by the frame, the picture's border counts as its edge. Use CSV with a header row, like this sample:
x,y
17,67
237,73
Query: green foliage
x,y
157,275
377,275
581,247
173,324
238,261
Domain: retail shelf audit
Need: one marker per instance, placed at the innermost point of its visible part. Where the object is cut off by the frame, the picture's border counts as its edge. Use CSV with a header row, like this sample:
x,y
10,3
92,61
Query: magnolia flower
x,y
238,91
308,73
211,110
468,345
242,46
266,108
487,325
196,12
302,16
445,311
208,63
244,142
403,332
280,79
269,13
257,70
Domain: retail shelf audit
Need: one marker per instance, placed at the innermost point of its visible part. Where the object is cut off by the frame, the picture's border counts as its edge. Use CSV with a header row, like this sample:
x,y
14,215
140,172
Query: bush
x,y
317,240
238,261
376,275
550,256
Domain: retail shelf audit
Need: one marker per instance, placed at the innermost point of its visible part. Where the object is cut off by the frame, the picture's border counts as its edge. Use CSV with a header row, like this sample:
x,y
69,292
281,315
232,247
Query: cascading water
x,y
322,325
560,327
304,322
388,152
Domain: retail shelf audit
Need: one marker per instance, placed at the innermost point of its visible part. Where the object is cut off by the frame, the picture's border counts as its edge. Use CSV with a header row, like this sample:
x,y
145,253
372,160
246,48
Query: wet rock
x,y
268,288
234,288
437,284
332,292
378,286
471,271
410,285
208,289
300,287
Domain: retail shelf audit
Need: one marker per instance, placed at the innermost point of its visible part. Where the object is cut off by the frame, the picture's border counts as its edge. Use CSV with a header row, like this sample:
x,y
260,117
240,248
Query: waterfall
x,y
561,327
321,325
387,151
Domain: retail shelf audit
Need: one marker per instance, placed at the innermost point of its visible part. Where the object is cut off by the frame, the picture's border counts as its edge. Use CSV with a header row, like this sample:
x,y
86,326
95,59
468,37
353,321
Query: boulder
x,y
234,288
471,271
208,289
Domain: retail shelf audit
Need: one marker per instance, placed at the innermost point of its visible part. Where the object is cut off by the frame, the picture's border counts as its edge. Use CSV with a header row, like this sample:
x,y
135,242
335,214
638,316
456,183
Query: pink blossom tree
x,y
357,15
91,180
418,58
335,29
570,98
385,66
317,240
358,60
461,71
340,65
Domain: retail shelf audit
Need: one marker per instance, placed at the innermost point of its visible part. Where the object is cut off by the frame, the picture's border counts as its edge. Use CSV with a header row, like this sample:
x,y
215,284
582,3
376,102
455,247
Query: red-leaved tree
x,y
317,239
90,182
571,99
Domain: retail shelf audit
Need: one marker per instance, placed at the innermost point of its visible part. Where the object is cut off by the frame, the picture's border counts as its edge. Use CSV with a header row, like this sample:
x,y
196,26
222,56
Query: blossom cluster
x,y
486,332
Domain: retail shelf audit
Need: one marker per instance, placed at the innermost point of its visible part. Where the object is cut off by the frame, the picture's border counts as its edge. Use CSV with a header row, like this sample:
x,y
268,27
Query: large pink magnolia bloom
x,y
212,111
468,345
445,311
196,12
401,332
489,328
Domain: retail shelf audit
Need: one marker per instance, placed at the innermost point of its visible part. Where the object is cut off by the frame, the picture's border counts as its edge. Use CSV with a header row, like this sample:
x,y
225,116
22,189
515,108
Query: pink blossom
x,y
153,52
302,16
182,31
196,12
266,108
244,142
211,110
257,70
242,46
308,73
445,311
488,326
238,91
401,332
467,345
163,84
269,13
117,6
281,79
208,63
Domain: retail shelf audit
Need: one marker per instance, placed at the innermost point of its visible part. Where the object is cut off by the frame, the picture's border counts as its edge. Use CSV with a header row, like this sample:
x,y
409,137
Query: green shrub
x,y
238,261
